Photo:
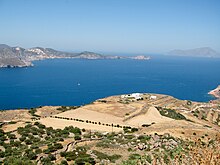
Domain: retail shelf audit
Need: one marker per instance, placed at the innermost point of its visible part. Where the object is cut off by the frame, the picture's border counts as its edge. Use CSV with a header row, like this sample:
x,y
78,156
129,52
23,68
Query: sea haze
x,y
77,82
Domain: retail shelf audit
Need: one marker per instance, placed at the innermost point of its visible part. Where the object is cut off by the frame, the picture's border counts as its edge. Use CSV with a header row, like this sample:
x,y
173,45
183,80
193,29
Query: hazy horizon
x,y
132,27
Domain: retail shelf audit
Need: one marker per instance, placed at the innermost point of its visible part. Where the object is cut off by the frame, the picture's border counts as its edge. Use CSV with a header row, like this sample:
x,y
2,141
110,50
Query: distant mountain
x,y
20,57
198,52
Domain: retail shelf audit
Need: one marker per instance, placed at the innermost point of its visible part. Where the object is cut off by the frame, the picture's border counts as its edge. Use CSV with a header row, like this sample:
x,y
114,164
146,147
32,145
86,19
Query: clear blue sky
x,y
133,26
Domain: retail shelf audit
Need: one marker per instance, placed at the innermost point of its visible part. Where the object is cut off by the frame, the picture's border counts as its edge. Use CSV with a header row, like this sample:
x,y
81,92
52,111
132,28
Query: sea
x,y
71,82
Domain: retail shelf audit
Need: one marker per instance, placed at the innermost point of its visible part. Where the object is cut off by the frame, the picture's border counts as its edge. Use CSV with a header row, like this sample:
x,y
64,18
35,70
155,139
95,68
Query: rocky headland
x,y
215,92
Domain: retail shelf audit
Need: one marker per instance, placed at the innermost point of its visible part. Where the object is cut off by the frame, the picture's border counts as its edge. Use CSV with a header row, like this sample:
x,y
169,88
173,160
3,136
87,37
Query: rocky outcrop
x,y
215,92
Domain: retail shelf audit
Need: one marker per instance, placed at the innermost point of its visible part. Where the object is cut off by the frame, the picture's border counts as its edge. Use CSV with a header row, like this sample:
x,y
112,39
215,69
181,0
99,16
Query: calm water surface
x,y
76,82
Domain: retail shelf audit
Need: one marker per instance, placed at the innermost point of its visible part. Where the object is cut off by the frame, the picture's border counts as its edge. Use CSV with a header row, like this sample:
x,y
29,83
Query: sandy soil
x,y
62,123
47,111
152,115
113,108
13,127
179,128
83,114
16,115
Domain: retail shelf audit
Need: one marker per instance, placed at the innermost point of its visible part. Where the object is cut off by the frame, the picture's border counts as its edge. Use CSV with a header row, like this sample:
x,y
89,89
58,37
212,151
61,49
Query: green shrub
x,y
84,160
2,154
58,146
11,136
134,129
77,137
18,161
134,156
31,155
46,161
63,162
144,138
146,125
148,158
63,154
102,156
51,157
12,122
171,113
41,126
38,151
104,144
28,141
32,111
129,136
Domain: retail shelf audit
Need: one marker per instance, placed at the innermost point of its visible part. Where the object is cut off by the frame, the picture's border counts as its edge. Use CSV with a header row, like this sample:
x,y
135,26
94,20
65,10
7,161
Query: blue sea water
x,y
77,82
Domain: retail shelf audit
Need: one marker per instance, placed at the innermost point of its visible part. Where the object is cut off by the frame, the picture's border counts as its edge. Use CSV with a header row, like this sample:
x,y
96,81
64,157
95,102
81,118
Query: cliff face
x,y
12,57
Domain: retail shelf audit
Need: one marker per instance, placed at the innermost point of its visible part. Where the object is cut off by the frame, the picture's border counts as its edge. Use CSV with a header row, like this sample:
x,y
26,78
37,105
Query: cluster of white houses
x,y
137,96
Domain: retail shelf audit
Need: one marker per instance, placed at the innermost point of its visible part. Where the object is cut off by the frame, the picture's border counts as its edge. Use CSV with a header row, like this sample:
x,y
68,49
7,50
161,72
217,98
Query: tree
x,y
63,162
77,137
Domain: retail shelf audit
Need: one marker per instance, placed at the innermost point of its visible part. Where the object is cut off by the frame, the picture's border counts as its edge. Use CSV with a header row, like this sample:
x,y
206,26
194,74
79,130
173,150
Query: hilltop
x,y
21,57
138,128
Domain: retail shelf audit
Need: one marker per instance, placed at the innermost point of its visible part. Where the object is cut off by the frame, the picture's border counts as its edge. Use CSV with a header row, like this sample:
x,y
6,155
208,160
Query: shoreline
x,y
212,92
215,92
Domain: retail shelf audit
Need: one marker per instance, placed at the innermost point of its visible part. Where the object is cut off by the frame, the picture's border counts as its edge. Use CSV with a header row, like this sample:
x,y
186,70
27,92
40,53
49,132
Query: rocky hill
x,y
11,57
198,52
20,57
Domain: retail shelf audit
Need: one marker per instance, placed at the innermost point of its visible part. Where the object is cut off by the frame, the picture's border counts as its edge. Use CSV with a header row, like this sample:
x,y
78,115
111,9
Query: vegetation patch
x,y
66,108
102,156
171,113
32,111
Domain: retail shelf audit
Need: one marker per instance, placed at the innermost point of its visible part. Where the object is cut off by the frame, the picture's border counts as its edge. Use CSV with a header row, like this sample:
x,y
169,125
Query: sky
x,y
116,26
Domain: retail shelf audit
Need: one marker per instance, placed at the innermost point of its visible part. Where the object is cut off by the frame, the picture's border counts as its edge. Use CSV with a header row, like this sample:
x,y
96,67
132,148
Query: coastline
x,y
215,92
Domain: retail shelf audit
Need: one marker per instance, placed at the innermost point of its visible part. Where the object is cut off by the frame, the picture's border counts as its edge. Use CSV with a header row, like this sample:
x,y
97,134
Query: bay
x,y
77,82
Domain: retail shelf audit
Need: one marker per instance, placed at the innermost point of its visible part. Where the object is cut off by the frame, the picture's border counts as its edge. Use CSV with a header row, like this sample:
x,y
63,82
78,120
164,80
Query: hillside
x,y
126,129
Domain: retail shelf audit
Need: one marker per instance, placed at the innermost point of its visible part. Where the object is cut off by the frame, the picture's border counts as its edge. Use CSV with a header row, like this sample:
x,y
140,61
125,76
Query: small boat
x,y
78,84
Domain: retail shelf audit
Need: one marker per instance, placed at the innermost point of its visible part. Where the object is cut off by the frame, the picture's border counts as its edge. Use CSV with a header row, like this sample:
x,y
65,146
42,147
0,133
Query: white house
x,y
133,95
153,97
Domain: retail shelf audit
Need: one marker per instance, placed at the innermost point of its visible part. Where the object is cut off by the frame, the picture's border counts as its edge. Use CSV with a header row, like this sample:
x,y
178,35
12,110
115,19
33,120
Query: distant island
x,y
20,57
198,52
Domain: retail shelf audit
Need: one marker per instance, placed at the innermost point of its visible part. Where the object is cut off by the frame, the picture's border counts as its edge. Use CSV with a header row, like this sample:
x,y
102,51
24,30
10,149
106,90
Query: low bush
x,y
171,113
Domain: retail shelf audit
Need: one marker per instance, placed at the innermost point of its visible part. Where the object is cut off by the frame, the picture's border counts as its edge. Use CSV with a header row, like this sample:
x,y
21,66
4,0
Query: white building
x,y
153,97
133,95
